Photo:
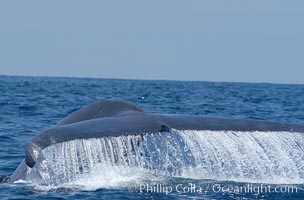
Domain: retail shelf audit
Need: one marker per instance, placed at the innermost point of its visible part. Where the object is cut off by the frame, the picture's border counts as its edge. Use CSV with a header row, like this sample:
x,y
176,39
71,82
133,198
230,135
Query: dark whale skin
x,y
114,118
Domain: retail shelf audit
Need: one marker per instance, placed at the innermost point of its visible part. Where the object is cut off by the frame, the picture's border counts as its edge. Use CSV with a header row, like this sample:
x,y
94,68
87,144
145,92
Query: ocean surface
x,y
29,105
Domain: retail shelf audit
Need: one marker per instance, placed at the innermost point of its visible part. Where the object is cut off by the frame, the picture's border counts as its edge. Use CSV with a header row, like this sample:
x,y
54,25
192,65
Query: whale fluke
x,y
115,118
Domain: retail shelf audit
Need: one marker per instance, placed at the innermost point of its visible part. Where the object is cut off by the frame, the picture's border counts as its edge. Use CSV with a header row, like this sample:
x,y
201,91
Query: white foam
x,y
260,157
115,177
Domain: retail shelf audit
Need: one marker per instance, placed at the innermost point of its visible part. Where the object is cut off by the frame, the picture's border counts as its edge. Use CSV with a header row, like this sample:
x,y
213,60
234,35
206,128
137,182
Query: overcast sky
x,y
246,41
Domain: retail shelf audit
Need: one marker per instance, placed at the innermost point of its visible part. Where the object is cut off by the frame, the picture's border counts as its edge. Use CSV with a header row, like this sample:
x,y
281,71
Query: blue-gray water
x,y
31,104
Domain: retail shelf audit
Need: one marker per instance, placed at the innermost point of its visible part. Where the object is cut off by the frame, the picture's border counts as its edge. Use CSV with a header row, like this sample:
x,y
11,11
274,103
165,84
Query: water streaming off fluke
x,y
266,157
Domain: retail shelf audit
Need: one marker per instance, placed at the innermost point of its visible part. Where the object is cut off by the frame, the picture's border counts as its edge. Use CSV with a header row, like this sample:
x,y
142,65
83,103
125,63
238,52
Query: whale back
x,y
102,109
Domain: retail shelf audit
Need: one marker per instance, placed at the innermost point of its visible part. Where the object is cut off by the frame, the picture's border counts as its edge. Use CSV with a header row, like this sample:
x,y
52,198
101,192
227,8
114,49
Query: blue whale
x,y
115,118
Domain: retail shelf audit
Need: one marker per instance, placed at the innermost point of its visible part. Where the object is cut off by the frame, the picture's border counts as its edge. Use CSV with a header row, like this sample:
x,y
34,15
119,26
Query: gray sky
x,y
247,41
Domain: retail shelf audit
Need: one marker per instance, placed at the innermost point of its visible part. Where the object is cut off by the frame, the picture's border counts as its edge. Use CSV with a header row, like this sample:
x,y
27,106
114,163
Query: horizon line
x,y
142,79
